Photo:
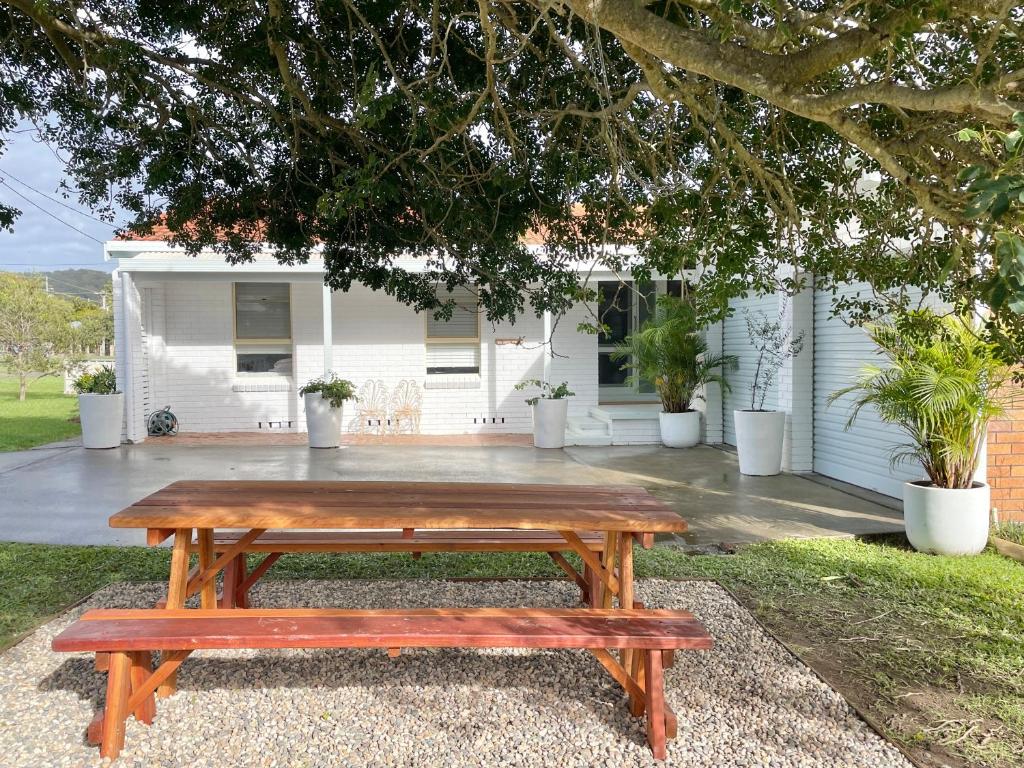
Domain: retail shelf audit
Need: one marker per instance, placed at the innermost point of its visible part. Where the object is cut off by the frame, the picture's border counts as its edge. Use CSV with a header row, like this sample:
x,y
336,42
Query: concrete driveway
x,y
64,495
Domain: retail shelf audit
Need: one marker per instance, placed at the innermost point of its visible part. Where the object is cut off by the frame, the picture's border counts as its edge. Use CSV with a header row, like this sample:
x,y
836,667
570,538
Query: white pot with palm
x,y
760,433
671,352
942,383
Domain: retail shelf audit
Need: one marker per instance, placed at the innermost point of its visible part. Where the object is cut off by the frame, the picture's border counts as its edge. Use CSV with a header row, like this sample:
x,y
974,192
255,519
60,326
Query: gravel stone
x,y
747,702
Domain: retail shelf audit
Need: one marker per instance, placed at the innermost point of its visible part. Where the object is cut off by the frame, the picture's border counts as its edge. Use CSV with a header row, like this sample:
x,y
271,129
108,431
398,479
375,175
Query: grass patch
x,y
1010,531
931,647
44,417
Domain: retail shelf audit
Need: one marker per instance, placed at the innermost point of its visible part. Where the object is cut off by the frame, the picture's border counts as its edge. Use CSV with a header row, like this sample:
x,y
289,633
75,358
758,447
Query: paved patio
x,y
64,495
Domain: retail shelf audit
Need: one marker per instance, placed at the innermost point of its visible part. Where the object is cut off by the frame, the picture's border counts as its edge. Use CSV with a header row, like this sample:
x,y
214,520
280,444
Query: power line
x,y
10,175
51,215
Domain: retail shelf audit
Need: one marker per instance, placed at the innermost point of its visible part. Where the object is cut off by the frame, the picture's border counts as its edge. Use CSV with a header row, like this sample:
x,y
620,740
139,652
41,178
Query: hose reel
x,y
162,423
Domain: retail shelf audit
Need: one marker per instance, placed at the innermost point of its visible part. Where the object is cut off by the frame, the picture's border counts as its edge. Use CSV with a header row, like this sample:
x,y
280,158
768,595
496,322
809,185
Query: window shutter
x,y
262,311
465,322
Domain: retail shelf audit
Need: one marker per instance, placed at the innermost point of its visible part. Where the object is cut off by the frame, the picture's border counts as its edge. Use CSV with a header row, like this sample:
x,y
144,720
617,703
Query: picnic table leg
x,y
610,550
208,592
142,668
626,582
654,685
176,589
116,706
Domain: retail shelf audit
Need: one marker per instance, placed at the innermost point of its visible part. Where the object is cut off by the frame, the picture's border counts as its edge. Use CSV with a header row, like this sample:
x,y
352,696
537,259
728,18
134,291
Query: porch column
x,y
328,331
796,385
712,402
546,375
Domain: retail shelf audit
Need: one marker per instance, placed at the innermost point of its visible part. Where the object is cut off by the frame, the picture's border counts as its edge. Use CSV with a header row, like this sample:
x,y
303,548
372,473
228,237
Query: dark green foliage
x,y
332,388
101,382
547,391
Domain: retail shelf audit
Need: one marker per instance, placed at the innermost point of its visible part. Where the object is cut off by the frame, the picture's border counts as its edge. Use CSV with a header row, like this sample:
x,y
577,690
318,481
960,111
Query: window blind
x,y
262,311
465,322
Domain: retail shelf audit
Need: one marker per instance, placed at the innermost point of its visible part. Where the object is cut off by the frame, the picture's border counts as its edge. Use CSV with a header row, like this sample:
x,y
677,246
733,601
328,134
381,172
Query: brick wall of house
x,y
190,356
1005,465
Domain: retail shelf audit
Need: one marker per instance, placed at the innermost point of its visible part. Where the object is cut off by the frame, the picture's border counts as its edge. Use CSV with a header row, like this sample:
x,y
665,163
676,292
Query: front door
x,y
624,307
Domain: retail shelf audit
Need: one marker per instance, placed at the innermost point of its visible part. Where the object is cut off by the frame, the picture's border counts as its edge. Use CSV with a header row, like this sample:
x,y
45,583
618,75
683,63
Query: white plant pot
x,y
323,423
549,422
759,441
946,521
680,430
101,417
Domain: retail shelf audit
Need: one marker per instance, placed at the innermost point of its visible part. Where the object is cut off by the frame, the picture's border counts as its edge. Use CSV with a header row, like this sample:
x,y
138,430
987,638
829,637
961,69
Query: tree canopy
x,y
855,140
36,332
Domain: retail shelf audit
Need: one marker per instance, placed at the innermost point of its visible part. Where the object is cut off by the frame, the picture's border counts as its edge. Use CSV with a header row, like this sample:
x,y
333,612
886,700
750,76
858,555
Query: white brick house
x,y
184,340
187,338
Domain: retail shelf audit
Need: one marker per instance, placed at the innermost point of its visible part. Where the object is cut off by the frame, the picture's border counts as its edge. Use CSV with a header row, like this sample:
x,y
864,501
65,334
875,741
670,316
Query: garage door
x,y
736,341
861,454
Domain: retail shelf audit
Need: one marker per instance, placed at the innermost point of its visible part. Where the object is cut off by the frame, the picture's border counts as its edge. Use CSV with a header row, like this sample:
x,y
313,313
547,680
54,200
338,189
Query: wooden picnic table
x,y
198,507
480,515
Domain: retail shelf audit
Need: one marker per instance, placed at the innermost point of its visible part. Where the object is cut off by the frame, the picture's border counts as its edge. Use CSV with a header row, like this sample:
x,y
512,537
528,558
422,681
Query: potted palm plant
x,y
943,382
324,400
670,352
759,432
550,411
100,408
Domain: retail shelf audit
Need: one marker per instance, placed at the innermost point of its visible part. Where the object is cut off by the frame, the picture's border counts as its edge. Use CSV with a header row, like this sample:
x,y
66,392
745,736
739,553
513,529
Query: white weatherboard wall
x,y
736,341
860,455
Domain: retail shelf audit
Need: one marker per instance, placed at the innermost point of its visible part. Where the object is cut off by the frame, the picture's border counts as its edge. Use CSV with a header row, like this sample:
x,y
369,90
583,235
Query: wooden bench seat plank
x,y
144,614
395,629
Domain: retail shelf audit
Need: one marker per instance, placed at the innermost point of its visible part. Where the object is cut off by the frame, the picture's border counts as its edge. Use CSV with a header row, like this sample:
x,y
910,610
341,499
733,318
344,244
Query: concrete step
x,y
586,430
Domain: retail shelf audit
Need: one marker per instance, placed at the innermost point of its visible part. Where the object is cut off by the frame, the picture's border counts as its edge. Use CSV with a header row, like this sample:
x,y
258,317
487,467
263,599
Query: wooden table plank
x,y
345,505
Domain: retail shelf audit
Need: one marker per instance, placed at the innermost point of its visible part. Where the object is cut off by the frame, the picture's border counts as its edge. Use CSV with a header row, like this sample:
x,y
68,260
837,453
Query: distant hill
x,y
85,283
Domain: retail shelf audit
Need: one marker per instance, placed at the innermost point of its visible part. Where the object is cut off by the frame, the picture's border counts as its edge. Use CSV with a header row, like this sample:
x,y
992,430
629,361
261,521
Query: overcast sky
x,y
39,241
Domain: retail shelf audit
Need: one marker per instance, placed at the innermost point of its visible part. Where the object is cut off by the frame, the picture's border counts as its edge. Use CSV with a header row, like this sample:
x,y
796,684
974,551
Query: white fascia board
x,y
159,256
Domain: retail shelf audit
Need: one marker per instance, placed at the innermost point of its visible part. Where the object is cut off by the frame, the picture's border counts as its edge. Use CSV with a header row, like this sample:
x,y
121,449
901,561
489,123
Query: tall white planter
x,y
323,423
759,441
549,418
680,430
946,521
101,417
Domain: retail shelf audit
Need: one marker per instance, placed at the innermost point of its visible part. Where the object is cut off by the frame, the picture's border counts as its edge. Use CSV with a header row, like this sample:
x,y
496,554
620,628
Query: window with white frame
x,y
453,346
263,328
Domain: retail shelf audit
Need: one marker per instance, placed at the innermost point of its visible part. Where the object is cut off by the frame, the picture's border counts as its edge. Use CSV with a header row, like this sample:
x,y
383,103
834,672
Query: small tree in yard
x,y
774,343
35,329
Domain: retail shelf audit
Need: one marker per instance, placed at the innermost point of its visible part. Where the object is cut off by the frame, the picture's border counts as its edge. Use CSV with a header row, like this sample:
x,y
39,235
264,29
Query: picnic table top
x,y
299,504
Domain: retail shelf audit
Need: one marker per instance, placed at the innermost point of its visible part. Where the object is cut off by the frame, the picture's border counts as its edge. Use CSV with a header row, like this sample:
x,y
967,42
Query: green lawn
x,y
44,417
1010,531
931,648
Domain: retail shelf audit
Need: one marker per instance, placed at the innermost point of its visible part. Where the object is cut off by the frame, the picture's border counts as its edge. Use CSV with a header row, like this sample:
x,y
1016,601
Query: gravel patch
x,y
746,703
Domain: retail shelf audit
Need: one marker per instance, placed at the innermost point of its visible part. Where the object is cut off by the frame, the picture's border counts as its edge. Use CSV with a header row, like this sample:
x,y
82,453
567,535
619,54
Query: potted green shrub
x,y
759,432
100,408
550,411
943,382
324,400
670,352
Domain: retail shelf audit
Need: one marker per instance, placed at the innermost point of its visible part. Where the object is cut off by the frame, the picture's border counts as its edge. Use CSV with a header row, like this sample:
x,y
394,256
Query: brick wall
x,y
1005,466
190,358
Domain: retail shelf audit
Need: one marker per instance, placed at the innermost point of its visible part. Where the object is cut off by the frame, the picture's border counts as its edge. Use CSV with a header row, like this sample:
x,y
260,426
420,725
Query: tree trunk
x,y
22,386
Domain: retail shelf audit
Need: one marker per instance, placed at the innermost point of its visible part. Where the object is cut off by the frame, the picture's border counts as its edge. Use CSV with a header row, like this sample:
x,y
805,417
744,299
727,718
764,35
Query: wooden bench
x,y
124,640
238,579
